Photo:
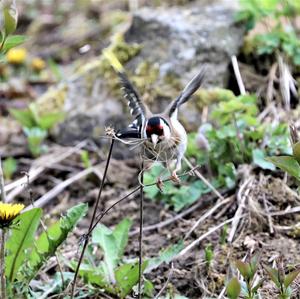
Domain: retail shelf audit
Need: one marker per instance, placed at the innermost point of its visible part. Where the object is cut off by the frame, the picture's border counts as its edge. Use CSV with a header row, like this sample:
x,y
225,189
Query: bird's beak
x,y
154,139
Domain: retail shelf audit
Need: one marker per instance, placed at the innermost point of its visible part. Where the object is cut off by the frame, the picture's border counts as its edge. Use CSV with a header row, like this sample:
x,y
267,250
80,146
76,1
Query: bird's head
x,y
157,130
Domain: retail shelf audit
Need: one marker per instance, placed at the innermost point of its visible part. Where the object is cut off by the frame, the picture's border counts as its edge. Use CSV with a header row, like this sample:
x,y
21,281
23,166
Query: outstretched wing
x,y
185,95
137,108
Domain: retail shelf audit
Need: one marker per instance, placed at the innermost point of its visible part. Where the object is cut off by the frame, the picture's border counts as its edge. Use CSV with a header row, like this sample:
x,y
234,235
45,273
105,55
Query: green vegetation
x,y
26,255
281,34
9,19
9,168
36,126
115,274
249,286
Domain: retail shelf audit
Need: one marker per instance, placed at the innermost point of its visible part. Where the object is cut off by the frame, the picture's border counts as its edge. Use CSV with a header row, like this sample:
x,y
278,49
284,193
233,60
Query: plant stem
x,y
86,241
2,265
2,253
141,230
2,190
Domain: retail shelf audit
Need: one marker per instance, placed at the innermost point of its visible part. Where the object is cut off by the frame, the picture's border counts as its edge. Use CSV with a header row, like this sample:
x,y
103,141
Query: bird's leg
x,y
174,177
160,184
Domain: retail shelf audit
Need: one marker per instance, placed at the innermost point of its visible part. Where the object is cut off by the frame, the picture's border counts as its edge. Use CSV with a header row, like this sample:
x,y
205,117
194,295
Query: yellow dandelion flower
x,y
38,64
16,56
8,212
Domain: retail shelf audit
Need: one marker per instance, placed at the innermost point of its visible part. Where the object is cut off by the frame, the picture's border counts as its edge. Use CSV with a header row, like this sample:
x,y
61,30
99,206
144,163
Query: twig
x,y
2,188
270,222
197,241
101,215
18,186
167,282
241,204
141,229
59,188
179,216
288,211
271,79
93,218
238,75
221,295
207,214
203,179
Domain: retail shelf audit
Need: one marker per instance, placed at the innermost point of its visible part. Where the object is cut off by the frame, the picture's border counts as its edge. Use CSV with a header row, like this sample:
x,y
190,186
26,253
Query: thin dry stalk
x,y
270,221
141,230
272,77
166,283
43,200
101,215
86,241
241,198
203,179
202,237
177,217
40,165
206,215
238,75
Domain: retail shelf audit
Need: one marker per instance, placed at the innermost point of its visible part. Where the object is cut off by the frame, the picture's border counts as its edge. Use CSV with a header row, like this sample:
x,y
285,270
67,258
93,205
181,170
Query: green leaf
x,y
233,288
13,41
165,256
20,240
127,277
105,238
10,15
244,269
258,157
9,168
148,288
48,121
48,242
273,273
120,233
24,117
286,163
291,277
35,137
254,264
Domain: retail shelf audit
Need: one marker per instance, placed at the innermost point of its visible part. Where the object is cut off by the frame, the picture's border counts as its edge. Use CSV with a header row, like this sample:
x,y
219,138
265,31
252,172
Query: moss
x,y
206,97
54,98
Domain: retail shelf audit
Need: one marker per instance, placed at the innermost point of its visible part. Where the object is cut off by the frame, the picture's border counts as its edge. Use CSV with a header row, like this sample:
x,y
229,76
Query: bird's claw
x,y
174,177
160,184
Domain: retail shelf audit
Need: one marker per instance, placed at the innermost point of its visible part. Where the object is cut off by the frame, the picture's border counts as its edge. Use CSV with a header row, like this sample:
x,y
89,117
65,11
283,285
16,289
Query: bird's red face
x,y
156,129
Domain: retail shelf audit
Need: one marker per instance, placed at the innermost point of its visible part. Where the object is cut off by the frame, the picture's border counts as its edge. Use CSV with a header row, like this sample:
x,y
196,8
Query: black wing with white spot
x,y
137,109
185,95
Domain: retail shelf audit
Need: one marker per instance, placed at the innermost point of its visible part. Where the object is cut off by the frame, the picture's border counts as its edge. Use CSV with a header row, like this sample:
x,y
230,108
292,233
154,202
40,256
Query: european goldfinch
x,y
164,138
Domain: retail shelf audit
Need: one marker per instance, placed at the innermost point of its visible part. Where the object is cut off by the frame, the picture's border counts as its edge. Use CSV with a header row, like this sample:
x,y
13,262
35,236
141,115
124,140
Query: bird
x,y
164,137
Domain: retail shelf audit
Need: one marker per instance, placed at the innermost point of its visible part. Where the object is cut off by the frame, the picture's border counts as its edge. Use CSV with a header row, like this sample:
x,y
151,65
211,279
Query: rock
x,y
181,39
175,43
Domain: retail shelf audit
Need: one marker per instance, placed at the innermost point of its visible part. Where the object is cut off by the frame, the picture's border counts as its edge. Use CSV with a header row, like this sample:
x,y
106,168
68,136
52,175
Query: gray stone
x,y
181,39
